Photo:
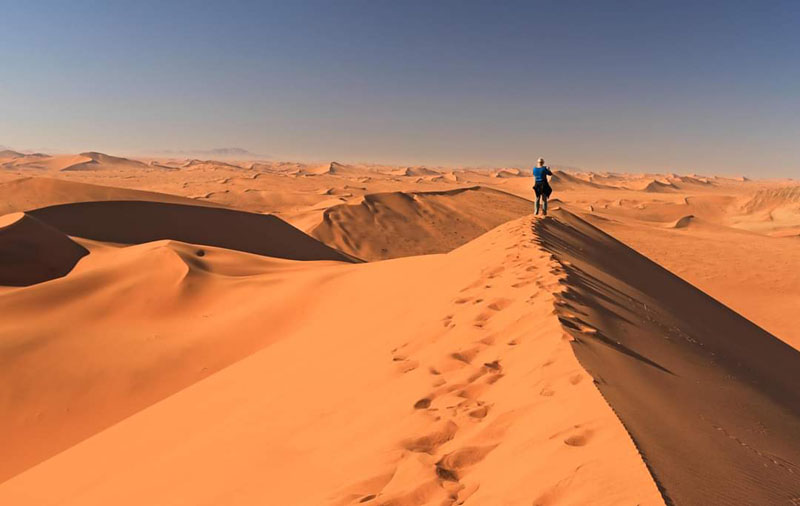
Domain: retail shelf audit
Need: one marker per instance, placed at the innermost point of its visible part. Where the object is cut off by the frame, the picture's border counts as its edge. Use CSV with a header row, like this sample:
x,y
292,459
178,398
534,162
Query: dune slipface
x,y
133,222
32,252
397,224
711,400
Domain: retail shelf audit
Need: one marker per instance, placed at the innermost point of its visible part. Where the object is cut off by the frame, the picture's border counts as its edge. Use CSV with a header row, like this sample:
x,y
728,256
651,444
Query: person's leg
x,y
536,205
544,205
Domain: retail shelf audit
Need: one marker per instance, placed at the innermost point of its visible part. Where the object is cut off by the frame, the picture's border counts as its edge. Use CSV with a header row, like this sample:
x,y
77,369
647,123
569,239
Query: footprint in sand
x,y
479,413
453,464
499,304
430,442
407,366
467,355
423,403
481,319
576,378
581,439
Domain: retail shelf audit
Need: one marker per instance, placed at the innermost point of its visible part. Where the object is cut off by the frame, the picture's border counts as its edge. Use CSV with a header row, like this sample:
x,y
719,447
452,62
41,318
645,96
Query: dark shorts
x,y
542,188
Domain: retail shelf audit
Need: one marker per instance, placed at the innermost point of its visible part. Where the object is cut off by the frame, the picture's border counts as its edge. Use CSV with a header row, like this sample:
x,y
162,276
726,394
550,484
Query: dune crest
x,y
102,161
135,222
30,193
683,222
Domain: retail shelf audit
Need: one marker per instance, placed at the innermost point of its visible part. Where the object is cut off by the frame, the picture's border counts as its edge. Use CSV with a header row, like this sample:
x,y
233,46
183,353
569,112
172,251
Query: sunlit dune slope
x,y
428,380
134,222
397,224
711,400
128,327
32,252
34,192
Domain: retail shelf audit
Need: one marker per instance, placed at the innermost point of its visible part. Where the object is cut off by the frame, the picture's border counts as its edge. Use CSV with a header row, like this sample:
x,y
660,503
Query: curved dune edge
x,y
32,252
137,222
683,222
711,400
433,392
30,193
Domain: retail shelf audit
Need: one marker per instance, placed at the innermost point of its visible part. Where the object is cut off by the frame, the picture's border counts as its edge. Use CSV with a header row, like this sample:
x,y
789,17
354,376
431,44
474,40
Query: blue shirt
x,y
541,173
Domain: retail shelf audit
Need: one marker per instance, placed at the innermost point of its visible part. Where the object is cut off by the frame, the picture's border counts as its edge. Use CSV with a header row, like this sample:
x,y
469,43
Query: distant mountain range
x,y
239,153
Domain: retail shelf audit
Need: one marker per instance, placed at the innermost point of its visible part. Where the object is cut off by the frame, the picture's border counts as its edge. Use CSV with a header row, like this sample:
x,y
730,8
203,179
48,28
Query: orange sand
x,y
200,349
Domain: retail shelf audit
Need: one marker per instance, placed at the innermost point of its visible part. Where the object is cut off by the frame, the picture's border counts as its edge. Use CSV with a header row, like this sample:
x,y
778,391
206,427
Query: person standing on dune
x,y
540,185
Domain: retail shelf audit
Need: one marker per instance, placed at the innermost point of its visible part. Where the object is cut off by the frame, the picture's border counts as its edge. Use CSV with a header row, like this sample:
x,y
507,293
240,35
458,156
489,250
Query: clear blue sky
x,y
710,86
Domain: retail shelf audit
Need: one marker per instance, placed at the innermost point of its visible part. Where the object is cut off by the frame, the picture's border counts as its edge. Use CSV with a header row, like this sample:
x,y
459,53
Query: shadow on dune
x,y
711,400
135,222
32,252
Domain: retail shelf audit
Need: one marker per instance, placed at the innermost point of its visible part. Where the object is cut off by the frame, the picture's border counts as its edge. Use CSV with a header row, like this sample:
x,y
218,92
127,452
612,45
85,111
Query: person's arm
x,y
547,171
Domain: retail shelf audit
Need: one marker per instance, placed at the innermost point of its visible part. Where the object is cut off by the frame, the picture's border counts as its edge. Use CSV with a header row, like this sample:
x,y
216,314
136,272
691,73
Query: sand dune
x,y
32,252
172,368
334,168
411,396
126,328
135,222
774,201
102,161
8,154
46,163
34,192
391,225
414,171
711,400
209,164
684,221
503,173
566,180
656,186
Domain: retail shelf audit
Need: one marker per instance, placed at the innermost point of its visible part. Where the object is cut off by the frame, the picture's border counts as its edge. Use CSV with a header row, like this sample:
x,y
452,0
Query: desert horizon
x,y
462,252
211,321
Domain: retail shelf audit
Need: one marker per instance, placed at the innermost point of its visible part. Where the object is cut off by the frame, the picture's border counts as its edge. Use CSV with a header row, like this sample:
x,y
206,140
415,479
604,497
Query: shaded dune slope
x,y
712,400
134,222
32,252
397,224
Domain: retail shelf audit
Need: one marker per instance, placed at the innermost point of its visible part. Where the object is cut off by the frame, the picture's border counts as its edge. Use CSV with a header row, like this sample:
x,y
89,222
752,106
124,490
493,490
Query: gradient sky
x,y
710,86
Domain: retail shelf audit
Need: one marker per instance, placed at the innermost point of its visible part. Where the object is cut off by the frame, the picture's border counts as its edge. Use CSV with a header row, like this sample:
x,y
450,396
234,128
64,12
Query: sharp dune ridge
x,y
29,193
135,222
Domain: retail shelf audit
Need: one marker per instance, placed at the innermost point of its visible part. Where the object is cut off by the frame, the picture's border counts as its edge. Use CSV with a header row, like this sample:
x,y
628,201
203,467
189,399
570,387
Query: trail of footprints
x,y
459,379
